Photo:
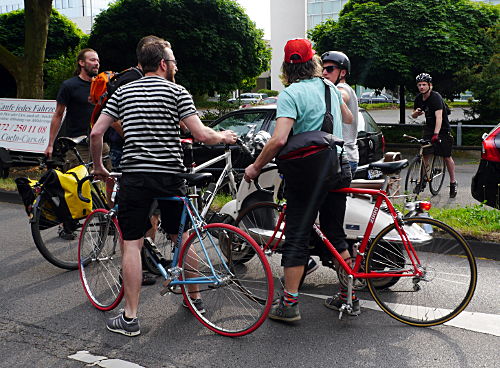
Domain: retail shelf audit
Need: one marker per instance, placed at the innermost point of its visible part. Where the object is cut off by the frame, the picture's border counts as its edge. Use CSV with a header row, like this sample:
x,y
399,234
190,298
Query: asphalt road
x,y
45,317
392,116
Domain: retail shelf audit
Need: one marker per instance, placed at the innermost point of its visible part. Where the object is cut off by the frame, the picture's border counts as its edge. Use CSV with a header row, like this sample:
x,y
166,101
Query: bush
x,y
269,92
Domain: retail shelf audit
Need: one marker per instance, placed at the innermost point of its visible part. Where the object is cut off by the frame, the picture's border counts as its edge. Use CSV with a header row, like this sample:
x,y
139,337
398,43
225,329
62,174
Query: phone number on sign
x,y
22,128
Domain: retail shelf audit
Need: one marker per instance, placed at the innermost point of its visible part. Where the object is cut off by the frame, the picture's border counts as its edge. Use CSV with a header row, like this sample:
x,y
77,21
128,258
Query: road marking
x,y
471,321
102,361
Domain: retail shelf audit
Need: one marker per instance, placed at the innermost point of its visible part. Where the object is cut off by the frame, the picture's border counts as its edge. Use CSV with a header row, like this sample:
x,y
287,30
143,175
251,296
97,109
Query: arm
x,y
277,141
346,114
55,125
416,113
437,127
207,135
100,127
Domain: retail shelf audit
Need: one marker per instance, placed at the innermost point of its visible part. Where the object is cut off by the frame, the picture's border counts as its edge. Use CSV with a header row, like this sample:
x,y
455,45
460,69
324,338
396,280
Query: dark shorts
x,y
136,196
442,148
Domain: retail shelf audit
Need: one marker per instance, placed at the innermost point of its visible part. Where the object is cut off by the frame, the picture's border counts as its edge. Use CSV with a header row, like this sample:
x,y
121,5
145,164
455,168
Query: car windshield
x,y
242,123
366,123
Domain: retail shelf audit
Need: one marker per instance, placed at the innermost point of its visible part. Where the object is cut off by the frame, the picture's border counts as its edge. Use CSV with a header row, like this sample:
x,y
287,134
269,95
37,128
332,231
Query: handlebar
x,y
422,142
88,178
256,180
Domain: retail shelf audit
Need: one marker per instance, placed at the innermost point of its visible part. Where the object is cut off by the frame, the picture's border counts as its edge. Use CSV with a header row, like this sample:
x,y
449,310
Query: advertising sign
x,y
25,124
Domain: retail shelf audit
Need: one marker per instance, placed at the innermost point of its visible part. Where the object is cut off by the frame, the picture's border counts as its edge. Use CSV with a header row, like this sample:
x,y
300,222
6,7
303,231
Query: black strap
x,y
327,125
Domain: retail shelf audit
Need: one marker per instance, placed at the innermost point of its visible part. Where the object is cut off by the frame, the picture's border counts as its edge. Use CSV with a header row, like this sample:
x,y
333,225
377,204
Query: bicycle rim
x,y
100,256
438,172
413,177
259,221
449,273
57,241
240,303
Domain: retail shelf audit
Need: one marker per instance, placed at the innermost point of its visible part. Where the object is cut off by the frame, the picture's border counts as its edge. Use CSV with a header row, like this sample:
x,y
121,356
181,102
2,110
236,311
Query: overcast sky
x,y
259,11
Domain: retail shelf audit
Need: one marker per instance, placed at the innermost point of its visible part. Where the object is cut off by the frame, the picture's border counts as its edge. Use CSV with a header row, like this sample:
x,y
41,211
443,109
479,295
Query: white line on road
x,y
471,321
102,361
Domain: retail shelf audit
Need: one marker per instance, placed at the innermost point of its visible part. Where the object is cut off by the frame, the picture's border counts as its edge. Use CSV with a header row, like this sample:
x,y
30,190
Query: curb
x,y
10,197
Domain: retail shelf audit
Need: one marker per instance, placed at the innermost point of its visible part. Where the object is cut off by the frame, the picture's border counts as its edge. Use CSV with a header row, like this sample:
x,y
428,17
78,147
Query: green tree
x,y
27,69
217,46
63,38
390,41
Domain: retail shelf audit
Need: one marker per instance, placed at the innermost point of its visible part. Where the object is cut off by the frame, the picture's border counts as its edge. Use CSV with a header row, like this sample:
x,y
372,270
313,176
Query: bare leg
x,y
132,275
194,289
450,166
293,275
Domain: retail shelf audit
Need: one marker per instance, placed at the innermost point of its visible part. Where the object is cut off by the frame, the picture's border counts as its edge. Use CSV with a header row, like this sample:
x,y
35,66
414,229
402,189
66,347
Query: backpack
x,y
102,88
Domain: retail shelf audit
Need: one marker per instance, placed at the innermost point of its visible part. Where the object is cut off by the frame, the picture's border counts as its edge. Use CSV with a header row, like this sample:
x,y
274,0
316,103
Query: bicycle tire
x,y
47,230
259,221
99,255
438,172
448,282
414,177
241,302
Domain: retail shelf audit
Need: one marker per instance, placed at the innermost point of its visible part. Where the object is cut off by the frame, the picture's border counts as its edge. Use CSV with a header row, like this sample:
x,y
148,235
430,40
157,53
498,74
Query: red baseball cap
x,y
300,47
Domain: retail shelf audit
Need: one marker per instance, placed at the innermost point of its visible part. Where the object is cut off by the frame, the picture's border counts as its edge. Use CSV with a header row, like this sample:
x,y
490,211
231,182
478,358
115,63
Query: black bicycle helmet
x,y
424,77
338,58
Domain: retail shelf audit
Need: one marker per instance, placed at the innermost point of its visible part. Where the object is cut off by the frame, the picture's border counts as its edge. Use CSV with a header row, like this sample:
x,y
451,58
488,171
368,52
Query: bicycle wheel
x,y
240,301
413,177
55,238
438,172
259,221
446,261
100,256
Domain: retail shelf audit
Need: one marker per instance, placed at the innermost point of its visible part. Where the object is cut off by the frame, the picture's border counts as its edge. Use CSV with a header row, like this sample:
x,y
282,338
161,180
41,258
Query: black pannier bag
x,y
484,185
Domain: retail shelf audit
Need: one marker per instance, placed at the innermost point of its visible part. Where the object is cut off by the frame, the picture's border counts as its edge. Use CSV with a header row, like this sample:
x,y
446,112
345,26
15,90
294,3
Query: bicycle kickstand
x,y
348,305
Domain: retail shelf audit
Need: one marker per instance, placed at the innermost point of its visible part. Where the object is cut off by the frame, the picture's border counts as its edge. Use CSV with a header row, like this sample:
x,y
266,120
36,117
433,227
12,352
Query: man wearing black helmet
x,y
437,126
336,67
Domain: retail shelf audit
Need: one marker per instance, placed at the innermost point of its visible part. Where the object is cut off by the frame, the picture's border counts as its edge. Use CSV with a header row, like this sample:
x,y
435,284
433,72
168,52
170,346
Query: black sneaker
x,y
198,304
311,266
336,302
453,189
148,279
66,235
286,313
119,325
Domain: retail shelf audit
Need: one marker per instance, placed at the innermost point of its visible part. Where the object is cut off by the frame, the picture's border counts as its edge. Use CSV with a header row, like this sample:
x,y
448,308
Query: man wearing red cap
x,y
301,108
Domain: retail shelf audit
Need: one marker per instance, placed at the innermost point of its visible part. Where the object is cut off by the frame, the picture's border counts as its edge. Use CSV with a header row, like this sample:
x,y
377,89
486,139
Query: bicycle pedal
x,y
166,287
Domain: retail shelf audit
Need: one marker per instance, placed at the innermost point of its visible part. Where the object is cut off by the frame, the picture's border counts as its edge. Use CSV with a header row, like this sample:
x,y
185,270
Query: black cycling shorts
x,y
444,147
136,195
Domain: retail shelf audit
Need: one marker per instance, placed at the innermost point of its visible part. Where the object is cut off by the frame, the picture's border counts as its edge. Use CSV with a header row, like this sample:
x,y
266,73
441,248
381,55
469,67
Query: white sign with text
x,y
25,124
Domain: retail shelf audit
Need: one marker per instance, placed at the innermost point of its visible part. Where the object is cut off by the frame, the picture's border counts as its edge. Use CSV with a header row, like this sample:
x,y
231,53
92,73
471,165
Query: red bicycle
x,y
419,270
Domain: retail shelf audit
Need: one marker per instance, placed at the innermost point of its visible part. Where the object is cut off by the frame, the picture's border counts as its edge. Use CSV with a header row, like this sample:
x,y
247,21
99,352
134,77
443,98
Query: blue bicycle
x,y
237,297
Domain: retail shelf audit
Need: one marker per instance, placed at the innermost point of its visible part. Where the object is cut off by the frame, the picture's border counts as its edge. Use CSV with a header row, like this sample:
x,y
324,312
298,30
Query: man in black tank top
x,y
437,126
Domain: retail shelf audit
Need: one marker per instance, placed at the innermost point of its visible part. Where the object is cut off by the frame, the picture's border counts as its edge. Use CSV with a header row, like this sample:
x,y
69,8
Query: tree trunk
x,y
27,70
36,28
402,104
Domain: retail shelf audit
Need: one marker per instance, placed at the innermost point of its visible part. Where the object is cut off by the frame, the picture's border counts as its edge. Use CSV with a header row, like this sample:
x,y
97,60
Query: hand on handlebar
x,y
48,151
435,139
100,173
229,137
251,172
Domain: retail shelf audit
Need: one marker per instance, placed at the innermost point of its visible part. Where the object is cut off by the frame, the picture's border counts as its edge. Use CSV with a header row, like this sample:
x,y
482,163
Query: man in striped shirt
x,y
151,110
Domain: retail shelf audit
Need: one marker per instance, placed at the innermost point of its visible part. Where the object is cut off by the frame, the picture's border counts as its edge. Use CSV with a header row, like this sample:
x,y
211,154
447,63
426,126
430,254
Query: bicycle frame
x,y
381,197
227,171
196,218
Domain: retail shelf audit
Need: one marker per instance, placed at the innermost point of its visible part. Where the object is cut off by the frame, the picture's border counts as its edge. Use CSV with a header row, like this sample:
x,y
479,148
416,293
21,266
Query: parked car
x,y
248,98
249,121
269,100
486,183
373,97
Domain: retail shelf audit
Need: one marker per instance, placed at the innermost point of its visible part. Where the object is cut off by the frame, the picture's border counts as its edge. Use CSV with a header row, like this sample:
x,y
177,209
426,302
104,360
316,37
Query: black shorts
x,y
136,195
444,147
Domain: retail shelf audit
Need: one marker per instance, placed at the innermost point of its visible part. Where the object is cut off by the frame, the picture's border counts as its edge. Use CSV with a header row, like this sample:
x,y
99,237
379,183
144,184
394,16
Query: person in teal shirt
x,y
301,108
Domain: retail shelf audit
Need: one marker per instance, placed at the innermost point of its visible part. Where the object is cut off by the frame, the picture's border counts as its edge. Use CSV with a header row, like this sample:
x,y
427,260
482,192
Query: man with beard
x,y
150,109
73,98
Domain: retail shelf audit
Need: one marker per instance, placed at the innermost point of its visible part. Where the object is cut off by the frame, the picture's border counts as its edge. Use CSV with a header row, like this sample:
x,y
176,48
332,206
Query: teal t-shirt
x,y
304,102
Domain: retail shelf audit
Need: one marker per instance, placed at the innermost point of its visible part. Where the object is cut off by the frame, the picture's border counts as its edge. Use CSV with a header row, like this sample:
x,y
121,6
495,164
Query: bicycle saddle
x,y
389,167
198,179
72,142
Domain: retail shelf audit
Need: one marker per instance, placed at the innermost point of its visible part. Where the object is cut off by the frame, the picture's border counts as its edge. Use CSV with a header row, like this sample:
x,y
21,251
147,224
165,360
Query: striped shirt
x,y
150,109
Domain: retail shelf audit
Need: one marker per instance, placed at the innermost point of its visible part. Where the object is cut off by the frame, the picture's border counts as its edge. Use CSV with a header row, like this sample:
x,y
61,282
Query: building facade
x,y
81,12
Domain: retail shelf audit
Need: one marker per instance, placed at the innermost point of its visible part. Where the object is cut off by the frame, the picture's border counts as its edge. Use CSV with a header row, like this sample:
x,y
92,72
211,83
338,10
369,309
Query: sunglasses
x,y
172,60
330,68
